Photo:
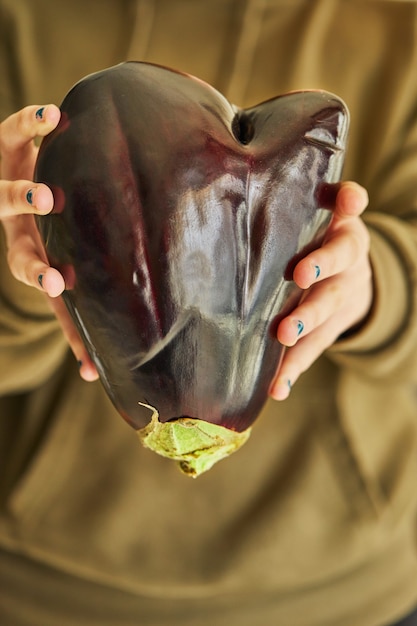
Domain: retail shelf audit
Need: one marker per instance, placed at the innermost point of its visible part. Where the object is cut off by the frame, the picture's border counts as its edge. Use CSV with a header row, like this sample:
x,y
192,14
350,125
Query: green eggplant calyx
x,y
195,444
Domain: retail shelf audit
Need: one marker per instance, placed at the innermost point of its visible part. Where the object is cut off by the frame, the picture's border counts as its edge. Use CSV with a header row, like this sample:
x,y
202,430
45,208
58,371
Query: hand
x,y
337,279
20,200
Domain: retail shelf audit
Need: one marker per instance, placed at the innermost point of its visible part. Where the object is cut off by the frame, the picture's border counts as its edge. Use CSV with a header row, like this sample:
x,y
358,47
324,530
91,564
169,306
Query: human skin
x,y
337,300
336,278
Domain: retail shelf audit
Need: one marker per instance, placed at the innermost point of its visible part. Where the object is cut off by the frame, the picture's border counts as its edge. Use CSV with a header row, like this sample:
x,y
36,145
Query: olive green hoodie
x,y
313,522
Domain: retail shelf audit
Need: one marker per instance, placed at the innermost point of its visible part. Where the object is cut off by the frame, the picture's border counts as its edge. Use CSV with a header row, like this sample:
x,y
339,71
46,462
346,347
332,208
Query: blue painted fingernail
x,y
289,385
79,364
40,280
317,268
39,113
300,327
29,196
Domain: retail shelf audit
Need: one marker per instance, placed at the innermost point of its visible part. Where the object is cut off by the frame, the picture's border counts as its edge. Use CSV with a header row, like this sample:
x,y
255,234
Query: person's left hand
x,y
20,200
337,279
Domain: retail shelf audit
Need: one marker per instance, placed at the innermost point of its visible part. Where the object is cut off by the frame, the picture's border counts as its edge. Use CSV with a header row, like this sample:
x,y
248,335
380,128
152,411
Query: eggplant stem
x,y
196,445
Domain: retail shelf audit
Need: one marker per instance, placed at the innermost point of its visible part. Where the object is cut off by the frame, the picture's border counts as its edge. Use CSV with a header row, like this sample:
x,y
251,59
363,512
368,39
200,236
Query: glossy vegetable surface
x,y
177,221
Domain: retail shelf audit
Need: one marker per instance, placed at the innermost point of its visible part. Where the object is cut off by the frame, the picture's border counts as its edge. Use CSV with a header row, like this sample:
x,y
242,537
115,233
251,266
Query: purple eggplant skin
x,y
178,219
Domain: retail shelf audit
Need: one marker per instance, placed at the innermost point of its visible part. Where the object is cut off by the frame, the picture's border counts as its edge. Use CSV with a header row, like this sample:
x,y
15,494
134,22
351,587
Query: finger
x,y
27,259
301,356
351,200
17,133
88,370
318,305
23,196
20,128
343,247
28,264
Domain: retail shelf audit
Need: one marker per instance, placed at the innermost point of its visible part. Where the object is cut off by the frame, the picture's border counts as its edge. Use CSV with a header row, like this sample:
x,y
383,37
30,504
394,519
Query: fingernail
x,y
79,364
317,268
300,327
29,196
40,280
39,113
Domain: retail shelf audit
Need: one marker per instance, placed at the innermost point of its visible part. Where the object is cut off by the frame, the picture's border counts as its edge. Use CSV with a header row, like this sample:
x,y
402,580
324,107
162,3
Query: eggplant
x,y
177,221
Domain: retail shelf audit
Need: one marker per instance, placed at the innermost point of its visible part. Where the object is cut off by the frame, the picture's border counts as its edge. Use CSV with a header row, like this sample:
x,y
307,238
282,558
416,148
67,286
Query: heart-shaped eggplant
x,y
178,219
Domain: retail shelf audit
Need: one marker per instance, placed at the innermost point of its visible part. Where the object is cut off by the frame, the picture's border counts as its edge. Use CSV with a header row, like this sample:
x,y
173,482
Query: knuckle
x,y
337,293
13,196
12,260
20,264
24,120
6,144
360,239
16,130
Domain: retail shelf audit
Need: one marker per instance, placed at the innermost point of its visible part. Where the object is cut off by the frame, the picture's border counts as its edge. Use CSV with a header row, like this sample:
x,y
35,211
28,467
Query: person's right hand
x,y
20,200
